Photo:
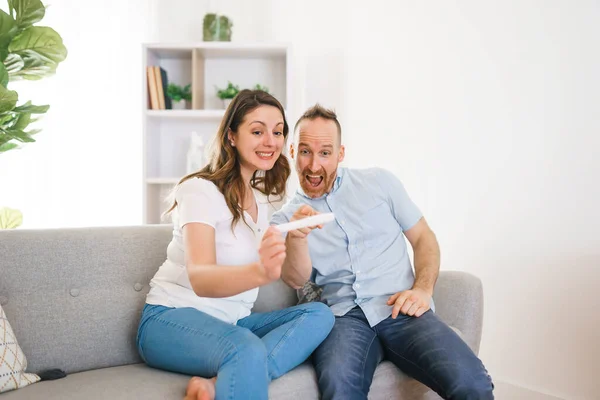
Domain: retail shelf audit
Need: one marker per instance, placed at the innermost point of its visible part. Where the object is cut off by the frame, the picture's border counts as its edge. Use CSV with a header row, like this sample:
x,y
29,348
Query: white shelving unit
x,y
206,66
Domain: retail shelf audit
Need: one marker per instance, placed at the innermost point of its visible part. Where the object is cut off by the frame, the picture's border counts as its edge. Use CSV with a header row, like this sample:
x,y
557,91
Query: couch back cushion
x,y
74,296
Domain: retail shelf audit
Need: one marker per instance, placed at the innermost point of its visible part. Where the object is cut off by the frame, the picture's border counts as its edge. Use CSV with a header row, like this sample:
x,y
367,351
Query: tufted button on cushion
x,y
138,286
3,300
74,292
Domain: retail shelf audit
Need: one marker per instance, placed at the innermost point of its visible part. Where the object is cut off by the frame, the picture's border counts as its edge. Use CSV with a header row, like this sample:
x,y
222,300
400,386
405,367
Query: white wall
x,y
86,167
488,111
490,115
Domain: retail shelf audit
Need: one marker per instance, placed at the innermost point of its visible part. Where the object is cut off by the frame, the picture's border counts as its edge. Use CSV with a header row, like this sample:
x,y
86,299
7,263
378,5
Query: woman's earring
x,y
232,145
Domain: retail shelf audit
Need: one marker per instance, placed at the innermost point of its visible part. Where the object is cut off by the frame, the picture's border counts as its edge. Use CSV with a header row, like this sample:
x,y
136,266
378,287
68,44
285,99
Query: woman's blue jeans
x,y
244,357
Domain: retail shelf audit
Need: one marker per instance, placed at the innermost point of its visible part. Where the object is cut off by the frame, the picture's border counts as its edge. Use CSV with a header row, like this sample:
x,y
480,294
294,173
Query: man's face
x,y
317,154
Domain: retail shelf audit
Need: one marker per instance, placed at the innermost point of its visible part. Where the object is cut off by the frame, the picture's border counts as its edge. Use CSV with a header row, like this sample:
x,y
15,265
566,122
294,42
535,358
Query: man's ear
x,y
292,155
342,153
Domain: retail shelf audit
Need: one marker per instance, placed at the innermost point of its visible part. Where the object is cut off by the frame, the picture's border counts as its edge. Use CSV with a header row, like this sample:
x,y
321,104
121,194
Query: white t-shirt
x,y
199,200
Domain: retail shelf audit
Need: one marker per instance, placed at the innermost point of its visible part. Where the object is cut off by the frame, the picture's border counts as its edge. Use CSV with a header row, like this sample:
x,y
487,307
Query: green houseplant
x,y
178,93
232,90
216,28
263,88
228,93
27,52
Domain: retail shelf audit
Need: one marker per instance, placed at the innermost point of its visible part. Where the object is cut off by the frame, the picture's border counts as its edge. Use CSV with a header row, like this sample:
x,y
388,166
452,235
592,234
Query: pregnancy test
x,y
315,220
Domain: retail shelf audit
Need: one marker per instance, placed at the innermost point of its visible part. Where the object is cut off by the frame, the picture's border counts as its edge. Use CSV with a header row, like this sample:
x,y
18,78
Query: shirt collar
x,y
336,185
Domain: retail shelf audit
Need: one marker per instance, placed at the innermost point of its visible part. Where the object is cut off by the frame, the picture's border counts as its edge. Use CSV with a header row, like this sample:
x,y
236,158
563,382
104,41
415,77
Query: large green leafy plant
x,y
26,52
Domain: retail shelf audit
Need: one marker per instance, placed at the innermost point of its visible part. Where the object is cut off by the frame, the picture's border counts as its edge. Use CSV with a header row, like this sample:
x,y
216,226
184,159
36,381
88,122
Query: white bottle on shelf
x,y
195,155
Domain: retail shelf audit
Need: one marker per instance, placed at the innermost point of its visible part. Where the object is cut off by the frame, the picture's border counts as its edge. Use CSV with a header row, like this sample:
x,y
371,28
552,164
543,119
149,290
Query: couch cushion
x,y
275,296
74,296
139,381
135,381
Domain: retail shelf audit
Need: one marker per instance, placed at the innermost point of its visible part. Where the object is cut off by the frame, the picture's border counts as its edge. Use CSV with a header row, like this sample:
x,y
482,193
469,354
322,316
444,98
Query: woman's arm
x,y
211,280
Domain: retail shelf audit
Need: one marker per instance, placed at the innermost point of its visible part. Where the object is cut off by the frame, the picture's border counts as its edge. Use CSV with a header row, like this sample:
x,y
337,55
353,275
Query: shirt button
x,y
343,222
357,286
357,272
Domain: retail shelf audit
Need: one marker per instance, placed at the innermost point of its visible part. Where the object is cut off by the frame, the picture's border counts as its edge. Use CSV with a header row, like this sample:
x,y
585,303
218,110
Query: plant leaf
x,y
23,119
41,49
8,146
8,99
8,29
10,218
3,75
30,108
13,63
20,136
6,117
28,12
4,138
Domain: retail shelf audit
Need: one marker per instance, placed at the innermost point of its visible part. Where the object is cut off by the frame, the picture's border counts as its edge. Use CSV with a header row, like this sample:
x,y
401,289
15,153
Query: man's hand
x,y
303,212
414,302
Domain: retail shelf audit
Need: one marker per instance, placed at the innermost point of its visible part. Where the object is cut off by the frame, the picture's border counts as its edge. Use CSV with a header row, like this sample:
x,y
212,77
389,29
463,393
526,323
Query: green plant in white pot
x,y
29,52
228,93
181,96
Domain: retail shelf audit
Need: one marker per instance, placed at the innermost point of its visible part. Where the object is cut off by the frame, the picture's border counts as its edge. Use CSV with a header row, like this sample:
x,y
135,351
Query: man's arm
x,y
297,266
426,251
427,256
416,301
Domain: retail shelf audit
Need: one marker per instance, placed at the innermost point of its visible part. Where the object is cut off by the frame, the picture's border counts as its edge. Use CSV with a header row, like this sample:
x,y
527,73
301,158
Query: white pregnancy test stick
x,y
306,222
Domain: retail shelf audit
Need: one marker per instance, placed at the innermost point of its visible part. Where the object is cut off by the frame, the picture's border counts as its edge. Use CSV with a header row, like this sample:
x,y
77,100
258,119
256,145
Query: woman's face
x,y
259,139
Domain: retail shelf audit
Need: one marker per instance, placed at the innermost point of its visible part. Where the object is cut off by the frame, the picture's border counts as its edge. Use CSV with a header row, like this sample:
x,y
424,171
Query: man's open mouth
x,y
314,180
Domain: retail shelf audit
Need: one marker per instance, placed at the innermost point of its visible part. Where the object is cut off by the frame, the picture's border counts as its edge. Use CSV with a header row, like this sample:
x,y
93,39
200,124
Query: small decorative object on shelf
x,y
228,93
217,28
181,96
195,155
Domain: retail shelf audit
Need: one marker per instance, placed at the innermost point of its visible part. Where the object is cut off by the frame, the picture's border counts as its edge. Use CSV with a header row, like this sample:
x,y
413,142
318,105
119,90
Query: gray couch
x,y
74,297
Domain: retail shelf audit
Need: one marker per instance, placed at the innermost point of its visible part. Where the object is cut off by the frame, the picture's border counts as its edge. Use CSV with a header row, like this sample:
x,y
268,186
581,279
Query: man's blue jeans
x,y
244,357
424,348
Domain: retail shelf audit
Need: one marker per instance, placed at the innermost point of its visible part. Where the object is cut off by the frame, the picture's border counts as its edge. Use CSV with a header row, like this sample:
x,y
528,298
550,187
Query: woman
x,y
197,318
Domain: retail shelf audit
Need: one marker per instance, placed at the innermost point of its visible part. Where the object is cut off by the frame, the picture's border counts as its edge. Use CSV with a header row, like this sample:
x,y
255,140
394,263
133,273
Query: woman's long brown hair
x,y
224,167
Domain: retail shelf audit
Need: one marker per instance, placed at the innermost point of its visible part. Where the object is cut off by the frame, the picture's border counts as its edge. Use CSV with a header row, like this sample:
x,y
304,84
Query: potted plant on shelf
x,y
263,88
181,96
216,28
228,93
27,52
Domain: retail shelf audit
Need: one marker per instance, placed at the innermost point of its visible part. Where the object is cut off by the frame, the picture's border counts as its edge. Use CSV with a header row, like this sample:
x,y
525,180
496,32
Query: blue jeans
x,y
244,357
424,348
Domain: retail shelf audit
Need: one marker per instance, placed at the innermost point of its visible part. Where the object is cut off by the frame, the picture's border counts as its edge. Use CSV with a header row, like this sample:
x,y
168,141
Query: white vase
x,y
226,103
179,105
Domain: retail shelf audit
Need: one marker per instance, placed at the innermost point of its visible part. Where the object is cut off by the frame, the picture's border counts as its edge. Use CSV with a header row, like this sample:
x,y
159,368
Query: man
x,y
383,309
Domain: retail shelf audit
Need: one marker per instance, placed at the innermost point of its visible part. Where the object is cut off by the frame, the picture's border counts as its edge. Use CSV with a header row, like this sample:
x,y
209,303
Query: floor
x,y
506,391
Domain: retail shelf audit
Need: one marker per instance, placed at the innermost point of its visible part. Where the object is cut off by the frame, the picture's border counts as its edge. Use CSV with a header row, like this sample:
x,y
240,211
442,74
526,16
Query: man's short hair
x,y
318,111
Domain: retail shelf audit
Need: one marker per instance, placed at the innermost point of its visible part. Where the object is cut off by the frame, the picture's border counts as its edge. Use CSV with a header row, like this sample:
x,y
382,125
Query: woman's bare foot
x,y
200,389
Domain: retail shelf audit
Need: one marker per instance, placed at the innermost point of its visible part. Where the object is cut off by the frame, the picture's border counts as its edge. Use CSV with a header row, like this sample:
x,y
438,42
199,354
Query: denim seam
x,y
364,361
287,334
417,367
276,319
196,331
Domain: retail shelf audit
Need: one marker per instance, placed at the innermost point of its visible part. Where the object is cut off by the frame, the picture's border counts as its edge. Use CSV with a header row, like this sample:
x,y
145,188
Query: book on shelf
x,y
157,88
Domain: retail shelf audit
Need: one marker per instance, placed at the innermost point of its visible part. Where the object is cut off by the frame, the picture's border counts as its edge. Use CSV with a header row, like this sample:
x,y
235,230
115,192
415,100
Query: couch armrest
x,y
458,298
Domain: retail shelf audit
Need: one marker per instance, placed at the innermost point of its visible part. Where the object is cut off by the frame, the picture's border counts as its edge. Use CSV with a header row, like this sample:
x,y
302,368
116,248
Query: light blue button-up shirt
x,y
361,258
